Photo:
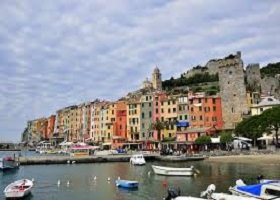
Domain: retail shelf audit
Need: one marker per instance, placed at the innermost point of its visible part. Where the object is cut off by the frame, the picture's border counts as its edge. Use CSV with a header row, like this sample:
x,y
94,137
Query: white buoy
x,y
58,183
68,161
32,179
68,183
119,178
109,179
95,178
73,162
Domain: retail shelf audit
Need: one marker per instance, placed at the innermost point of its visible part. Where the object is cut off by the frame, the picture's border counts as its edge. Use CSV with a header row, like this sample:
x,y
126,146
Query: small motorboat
x,y
18,189
8,163
171,171
174,194
267,189
137,159
127,184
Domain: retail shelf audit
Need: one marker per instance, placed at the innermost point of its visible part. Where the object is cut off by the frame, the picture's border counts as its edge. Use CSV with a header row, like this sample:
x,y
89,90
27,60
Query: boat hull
x,y
8,164
18,189
127,184
169,171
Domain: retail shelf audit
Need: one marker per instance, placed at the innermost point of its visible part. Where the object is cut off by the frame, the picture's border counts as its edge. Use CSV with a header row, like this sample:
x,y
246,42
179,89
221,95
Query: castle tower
x,y
254,76
232,90
157,79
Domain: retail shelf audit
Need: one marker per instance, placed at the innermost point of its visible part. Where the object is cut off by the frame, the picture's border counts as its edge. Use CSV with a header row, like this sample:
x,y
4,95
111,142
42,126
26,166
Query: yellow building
x,y
169,116
133,119
110,119
253,98
266,103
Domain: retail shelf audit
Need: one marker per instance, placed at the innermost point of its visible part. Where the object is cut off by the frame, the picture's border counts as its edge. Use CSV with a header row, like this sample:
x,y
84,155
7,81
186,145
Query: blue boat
x,y
127,184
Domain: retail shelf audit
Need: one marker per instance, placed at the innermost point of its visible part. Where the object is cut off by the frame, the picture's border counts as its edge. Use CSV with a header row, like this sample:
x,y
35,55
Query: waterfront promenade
x,y
37,160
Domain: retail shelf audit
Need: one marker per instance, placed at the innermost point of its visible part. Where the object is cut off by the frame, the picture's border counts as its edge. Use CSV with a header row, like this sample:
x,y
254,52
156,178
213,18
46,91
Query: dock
x,y
46,160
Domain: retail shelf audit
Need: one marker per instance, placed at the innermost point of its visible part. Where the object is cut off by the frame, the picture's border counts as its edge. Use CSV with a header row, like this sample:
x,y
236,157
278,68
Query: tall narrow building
x,y
232,90
157,84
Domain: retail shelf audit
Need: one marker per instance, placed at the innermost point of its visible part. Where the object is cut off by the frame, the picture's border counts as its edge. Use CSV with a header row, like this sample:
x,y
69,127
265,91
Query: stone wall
x,y
232,91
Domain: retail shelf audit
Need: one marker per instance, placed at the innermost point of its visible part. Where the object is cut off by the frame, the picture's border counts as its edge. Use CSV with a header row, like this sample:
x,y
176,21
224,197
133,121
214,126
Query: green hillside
x,y
270,70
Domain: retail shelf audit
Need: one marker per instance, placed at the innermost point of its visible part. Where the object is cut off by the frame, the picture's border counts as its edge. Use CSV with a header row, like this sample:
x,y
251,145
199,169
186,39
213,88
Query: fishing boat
x,y
264,190
18,189
171,171
8,163
127,184
137,159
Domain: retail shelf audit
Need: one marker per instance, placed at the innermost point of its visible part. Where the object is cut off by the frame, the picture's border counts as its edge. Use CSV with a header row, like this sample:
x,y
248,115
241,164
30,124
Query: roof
x,y
198,130
268,101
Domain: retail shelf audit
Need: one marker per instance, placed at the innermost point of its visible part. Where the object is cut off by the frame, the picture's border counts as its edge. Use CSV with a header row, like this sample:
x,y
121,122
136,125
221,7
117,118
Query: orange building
x,y
119,127
205,115
50,126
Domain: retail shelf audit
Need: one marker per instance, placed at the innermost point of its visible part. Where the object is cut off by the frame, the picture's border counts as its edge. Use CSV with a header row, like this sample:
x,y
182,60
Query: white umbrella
x,y
266,137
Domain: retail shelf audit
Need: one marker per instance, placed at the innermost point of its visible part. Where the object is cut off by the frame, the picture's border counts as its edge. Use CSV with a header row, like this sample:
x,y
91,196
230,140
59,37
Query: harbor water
x,y
83,186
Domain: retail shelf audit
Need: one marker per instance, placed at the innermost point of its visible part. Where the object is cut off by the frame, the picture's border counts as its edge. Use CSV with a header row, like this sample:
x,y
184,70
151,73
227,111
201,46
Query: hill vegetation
x,y
270,70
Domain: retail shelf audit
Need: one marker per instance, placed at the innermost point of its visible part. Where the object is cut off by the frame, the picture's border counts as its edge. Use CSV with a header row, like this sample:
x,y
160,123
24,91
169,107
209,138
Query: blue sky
x,y
57,53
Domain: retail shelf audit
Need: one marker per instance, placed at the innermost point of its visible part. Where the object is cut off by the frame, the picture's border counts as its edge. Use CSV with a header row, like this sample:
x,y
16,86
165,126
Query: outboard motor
x,y
172,193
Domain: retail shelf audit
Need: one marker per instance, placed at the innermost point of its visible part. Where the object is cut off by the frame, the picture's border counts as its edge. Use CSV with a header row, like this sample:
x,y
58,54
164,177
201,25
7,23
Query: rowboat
x,y
171,171
18,189
8,163
127,184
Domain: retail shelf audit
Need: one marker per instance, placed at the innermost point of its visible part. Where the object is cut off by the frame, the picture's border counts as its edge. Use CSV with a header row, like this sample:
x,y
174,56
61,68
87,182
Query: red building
x,y
120,127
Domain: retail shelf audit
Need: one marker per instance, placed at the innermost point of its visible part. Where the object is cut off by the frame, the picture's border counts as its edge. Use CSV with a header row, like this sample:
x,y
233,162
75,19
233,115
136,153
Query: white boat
x,y
8,163
18,189
171,171
137,159
174,194
264,190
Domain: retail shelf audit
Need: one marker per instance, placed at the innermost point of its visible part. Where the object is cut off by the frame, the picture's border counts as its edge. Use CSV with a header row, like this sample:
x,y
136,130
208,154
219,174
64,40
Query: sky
x,y
58,53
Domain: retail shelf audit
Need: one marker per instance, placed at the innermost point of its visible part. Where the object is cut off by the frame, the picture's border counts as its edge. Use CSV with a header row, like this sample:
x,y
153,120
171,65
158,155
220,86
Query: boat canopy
x,y
252,189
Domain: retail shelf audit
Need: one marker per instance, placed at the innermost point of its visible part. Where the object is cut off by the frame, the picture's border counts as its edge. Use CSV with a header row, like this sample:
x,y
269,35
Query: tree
x,y
203,140
250,127
225,139
271,121
158,126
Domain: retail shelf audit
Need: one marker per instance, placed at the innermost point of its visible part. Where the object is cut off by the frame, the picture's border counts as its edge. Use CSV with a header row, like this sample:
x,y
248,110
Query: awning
x,y
243,138
215,140
183,124
107,143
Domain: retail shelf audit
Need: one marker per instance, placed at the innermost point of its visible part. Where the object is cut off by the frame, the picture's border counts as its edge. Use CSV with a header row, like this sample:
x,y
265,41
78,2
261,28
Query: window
x,y
193,118
120,127
169,110
186,117
214,108
157,103
200,108
150,114
191,109
143,115
199,100
168,102
143,125
109,127
180,108
162,110
200,118
143,134
205,100
214,101
232,110
170,135
214,119
174,110
147,98
150,104
181,117
142,105
156,110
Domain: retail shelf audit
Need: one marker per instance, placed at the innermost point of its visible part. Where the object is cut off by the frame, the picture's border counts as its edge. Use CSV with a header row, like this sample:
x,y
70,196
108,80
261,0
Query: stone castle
x,y
266,86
